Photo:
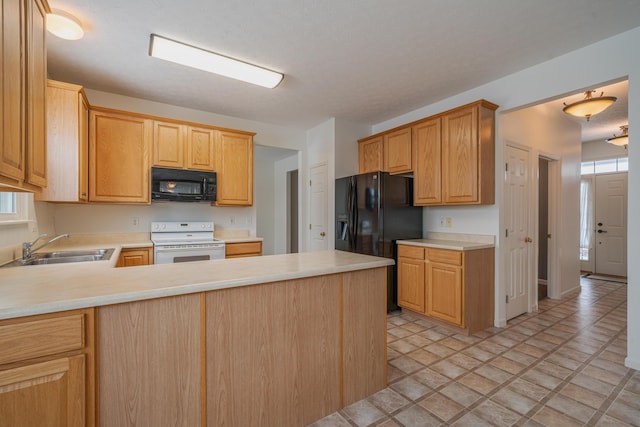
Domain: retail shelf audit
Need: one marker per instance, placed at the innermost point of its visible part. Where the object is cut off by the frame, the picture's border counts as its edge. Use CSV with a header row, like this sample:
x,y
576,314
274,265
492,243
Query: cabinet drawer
x,y
22,341
243,249
445,256
415,252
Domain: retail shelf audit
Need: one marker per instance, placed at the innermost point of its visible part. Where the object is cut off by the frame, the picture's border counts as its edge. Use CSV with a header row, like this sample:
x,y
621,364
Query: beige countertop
x,y
50,288
452,241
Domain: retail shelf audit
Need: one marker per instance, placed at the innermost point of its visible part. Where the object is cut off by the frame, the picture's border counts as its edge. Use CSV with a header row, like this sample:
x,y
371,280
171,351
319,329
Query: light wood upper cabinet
x,y
119,157
201,148
168,144
468,155
234,159
371,155
23,161
397,151
47,370
67,144
181,146
36,92
427,163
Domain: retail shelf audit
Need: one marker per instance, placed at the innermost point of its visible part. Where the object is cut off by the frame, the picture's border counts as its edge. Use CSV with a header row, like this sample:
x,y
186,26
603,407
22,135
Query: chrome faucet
x,y
28,249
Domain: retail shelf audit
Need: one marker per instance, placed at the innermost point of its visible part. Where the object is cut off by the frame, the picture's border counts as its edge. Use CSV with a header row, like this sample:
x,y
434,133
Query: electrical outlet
x,y
135,221
448,222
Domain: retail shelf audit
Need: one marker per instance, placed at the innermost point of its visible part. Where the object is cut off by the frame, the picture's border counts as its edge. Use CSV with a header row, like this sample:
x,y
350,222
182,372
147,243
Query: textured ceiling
x,y
360,60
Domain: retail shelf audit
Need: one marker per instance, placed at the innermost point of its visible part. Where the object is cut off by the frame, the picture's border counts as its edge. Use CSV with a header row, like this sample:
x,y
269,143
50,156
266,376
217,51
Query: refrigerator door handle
x,y
352,212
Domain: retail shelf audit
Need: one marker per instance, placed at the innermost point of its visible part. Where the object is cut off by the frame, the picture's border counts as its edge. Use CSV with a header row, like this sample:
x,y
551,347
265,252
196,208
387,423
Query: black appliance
x,y
181,185
373,210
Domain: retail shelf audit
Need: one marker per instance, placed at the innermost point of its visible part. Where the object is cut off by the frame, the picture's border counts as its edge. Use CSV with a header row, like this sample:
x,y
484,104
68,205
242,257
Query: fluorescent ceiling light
x,y
64,25
194,57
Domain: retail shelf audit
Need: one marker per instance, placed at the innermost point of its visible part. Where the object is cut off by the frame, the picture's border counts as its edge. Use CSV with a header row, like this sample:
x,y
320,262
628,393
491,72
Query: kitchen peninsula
x,y
274,340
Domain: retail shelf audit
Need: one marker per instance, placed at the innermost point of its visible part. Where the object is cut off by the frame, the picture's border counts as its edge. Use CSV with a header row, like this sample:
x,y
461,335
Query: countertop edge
x,y
446,244
183,289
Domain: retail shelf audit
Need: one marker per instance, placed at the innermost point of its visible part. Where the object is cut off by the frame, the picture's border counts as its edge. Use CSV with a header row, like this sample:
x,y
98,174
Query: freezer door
x,y
368,228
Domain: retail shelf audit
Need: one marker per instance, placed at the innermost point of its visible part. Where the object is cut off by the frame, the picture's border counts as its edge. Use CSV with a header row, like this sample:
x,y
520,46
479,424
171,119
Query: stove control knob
x,y
209,225
163,226
202,225
156,226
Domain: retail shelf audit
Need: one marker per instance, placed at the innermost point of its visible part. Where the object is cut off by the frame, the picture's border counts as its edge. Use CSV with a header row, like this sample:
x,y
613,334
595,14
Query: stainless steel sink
x,y
63,257
98,253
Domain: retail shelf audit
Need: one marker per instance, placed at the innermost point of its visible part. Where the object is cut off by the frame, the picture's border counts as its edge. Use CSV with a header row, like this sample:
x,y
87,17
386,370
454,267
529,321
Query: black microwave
x,y
180,185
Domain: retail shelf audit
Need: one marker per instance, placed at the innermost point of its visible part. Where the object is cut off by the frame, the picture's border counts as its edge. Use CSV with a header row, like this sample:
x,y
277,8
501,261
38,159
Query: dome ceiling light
x,y
622,139
64,25
589,106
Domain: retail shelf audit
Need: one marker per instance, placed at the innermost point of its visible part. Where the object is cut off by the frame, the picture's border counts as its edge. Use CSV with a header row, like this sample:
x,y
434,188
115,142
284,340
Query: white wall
x,y
599,149
558,139
263,201
346,135
321,149
111,218
595,65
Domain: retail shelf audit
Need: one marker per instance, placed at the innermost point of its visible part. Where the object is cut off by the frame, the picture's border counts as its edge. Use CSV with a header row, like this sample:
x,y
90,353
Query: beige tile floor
x,y
561,366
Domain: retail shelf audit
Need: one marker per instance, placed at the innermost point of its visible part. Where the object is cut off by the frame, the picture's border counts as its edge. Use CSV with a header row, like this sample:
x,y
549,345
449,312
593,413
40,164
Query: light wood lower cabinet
x,y
455,287
411,288
282,345
149,359
132,257
279,354
47,370
242,249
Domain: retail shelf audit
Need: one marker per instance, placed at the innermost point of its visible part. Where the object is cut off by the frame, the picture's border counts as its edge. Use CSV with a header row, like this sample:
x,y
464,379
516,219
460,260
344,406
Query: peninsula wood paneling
x,y
364,342
281,360
149,363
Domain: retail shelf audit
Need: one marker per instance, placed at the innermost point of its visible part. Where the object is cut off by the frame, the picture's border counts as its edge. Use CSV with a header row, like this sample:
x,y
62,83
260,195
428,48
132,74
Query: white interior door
x,y
611,224
318,209
518,240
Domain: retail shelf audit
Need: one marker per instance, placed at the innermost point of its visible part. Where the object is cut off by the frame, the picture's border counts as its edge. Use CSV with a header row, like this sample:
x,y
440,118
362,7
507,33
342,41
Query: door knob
x,y
322,233
528,239
601,231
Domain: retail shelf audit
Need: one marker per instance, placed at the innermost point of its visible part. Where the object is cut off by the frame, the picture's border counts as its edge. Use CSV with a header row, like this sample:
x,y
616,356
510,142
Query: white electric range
x,y
185,241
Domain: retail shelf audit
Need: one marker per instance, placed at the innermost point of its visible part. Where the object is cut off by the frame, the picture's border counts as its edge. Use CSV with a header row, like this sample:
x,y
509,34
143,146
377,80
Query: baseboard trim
x,y
632,363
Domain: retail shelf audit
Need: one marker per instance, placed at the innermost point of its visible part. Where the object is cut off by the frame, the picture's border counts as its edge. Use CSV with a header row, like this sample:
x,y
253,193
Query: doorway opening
x,y
292,211
603,217
543,226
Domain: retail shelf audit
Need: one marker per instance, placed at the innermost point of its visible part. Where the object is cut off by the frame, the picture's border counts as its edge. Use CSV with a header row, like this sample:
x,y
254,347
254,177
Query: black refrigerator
x,y
373,210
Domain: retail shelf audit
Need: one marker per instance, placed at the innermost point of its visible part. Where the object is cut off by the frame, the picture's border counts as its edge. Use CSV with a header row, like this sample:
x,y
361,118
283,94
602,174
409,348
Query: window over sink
x,y
14,207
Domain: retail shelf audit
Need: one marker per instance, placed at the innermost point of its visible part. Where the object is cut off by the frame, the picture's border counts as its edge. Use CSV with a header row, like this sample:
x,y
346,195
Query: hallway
x,y
562,366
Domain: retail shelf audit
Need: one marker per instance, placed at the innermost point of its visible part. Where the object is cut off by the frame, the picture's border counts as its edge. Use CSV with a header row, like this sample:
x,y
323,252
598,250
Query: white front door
x,y
318,209
611,224
518,240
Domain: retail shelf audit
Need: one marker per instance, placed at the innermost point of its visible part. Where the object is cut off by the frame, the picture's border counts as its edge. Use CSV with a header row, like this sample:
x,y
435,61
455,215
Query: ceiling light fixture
x,y
64,25
201,59
622,139
589,106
